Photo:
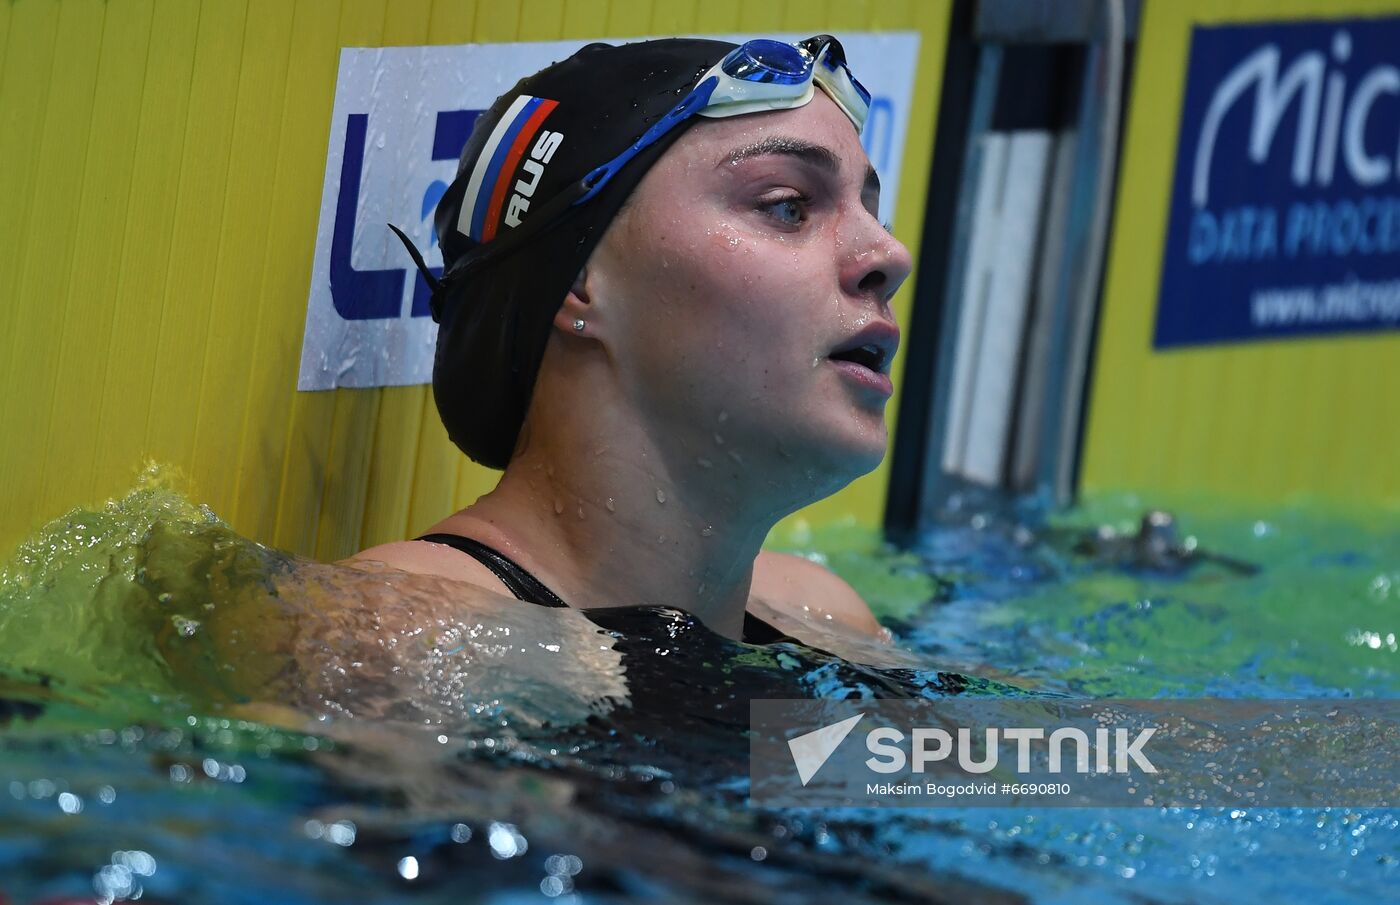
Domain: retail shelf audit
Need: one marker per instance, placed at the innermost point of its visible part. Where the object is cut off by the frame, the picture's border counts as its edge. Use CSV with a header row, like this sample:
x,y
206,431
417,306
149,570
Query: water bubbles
x,y
560,871
723,416
461,833
1372,640
719,441
408,868
119,879
563,865
113,882
558,506
660,495
186,626
758,853
505,841
612,506
222,772
704,462
341,833
69,803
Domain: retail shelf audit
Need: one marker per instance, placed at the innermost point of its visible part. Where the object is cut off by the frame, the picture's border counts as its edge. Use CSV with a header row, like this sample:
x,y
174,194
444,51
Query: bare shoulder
x,y
422,558
799,586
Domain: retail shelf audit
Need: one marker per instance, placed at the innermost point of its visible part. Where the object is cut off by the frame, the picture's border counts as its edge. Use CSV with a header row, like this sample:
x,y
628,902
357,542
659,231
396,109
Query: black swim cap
x,y
545,135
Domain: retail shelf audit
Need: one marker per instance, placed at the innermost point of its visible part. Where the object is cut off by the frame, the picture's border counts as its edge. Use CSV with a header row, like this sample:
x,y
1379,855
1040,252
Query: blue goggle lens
x,y
763,60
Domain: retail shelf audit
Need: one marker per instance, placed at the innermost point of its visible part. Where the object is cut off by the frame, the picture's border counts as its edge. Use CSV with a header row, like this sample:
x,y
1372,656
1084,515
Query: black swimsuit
x,y
689,689
530,589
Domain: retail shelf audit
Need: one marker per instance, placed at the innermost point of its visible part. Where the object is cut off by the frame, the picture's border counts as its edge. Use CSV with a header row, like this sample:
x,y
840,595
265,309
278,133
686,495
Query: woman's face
x,y
747,256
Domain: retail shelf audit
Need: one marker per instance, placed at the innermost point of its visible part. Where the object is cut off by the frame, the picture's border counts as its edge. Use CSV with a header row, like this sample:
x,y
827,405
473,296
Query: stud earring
x,y
579,325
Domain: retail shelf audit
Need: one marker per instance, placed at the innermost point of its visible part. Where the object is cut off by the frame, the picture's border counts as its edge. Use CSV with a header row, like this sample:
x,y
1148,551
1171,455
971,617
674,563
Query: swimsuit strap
x,y
522,584
530,589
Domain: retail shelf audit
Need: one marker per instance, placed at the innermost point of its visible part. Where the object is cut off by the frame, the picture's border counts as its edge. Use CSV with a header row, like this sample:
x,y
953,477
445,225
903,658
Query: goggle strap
x,y
433,282
697,98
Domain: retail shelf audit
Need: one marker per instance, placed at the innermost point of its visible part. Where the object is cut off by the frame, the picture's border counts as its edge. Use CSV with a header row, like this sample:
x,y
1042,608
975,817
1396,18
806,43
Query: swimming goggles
x,y
758,75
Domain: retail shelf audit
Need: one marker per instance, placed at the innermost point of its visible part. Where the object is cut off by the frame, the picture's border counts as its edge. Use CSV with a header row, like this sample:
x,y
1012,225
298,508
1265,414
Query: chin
x,y
838,456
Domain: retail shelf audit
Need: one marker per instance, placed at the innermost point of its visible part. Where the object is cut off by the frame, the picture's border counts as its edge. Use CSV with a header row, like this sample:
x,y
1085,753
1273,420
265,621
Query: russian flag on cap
x,y
496,164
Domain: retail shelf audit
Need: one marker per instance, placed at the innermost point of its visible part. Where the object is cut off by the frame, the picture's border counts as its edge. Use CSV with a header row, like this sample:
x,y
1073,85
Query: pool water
x,y
188,716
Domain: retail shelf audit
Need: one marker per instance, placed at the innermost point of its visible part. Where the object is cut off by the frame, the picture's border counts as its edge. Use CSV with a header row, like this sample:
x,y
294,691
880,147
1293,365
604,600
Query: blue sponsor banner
x,y
1285,205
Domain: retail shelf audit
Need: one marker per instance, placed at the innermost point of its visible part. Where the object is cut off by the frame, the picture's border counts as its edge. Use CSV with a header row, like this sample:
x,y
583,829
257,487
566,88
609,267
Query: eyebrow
x,y
818,156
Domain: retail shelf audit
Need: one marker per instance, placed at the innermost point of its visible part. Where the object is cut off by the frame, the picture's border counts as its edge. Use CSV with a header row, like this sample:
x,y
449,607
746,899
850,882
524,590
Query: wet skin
x,y
700,404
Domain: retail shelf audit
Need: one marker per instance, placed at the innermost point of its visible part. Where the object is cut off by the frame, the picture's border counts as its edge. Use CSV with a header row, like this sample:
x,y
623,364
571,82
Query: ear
x,y
576,307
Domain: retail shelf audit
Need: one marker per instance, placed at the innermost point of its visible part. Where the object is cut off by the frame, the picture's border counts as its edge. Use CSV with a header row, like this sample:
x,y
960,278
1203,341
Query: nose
x,y
876,263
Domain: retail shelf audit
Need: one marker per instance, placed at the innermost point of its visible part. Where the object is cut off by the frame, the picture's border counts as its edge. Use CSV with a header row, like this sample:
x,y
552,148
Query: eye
x,y
790,210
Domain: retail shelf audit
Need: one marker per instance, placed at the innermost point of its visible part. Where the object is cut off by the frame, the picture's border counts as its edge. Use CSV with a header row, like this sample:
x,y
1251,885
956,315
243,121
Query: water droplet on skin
x,y
612,507
558,506
706,531
734,454
723,416
719,441
549,470
704,463
816,361
660,495
580,512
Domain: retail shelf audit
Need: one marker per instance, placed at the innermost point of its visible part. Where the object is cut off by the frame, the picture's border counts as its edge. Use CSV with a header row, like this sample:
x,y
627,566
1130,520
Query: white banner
x,y
401,117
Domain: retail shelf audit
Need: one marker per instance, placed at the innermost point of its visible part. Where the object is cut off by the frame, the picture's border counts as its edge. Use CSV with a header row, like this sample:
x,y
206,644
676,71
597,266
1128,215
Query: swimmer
x,y
665,314
1156,548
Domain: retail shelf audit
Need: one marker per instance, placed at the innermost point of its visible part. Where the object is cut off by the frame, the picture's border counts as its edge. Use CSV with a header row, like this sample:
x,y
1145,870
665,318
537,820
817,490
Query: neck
x,y
623,523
